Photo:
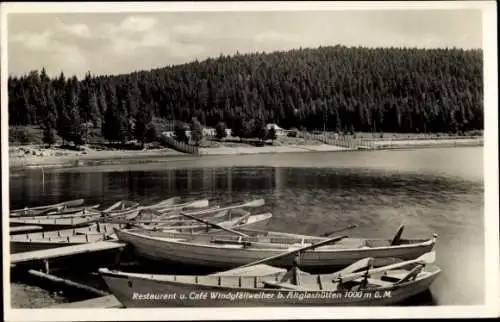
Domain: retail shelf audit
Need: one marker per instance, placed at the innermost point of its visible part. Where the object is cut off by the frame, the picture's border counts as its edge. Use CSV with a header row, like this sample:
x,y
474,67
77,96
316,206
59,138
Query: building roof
x,y
276,127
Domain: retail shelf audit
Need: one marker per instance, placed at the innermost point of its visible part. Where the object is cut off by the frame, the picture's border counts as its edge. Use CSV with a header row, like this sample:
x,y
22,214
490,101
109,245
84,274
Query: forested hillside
x,y
354,89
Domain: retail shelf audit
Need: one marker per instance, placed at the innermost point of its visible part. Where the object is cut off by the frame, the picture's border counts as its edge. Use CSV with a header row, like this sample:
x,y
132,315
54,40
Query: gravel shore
x,y
37,156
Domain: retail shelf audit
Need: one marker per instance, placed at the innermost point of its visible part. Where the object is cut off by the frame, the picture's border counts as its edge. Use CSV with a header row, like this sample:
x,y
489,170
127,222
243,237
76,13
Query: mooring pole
x,y
46,264
43,179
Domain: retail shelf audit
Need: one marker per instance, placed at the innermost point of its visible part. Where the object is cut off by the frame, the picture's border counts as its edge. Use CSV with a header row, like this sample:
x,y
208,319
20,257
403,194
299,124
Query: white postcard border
x,y
492,272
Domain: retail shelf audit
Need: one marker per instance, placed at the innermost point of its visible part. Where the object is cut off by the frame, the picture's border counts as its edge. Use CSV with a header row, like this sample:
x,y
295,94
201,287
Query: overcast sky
x,y
112,43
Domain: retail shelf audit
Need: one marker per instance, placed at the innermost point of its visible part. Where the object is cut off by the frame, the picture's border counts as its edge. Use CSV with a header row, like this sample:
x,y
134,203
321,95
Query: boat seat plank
x,y
377,243
309,282
396,274
281,285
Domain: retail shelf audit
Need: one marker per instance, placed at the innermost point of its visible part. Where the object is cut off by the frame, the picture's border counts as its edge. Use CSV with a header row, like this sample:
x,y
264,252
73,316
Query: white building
x,y
277,129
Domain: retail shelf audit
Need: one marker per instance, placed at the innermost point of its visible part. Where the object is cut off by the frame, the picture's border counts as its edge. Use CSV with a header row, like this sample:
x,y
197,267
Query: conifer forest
x,y
336,88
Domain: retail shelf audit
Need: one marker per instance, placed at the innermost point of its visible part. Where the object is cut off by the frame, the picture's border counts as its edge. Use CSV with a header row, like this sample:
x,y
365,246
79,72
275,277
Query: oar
x,y
427,258
242,218
215,225
301,249
339,230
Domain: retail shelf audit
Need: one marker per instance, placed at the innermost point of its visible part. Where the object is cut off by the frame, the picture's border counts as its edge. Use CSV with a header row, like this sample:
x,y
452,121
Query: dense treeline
x,y
340,88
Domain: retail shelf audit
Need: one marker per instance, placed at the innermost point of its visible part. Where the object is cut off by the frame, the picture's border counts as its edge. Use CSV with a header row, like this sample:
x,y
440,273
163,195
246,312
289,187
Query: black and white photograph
x,y
268,160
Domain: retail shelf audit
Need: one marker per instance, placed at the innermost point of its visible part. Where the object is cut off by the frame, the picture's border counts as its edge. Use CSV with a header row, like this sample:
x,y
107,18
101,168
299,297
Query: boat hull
x,y
230,256
136,292
71,222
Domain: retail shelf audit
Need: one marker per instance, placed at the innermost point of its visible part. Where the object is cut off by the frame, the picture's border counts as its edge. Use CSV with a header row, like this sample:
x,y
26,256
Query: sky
x,y
117,43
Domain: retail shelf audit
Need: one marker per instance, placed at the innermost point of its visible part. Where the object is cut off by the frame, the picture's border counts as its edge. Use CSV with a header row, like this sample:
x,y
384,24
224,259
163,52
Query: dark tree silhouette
x,y
180,133
337,88
196,131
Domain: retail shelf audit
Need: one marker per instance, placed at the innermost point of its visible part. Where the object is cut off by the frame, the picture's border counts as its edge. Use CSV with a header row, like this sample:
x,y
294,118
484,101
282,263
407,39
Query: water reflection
x,y
310,201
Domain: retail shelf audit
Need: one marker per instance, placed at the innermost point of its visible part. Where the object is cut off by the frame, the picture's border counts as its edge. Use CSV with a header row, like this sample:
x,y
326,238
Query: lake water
x,y
429,190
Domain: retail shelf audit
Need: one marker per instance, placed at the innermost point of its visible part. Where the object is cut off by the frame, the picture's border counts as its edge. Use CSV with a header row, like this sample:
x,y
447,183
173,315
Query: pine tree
x,y
143,123
259,128
196,131
180,133
220,130
271,134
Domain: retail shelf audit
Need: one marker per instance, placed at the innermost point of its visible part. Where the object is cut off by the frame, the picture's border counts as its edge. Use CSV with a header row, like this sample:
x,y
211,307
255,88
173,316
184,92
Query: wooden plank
x,y
108,301
21,229
64,251
60,280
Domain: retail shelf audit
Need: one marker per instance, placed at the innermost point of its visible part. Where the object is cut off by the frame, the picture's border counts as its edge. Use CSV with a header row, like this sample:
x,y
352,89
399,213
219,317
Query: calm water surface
x,y
428,190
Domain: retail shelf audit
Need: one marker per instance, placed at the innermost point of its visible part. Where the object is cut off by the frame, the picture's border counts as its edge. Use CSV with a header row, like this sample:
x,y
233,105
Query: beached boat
x,y
225,251
54,242
261,285
64,237
33,211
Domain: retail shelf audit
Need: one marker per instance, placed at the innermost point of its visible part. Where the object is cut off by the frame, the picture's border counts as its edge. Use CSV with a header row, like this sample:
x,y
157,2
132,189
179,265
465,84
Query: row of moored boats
x,y
252,265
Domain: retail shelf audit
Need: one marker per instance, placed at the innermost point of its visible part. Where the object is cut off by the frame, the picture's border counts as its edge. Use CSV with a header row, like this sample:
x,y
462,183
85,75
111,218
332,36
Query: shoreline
x,y
40,159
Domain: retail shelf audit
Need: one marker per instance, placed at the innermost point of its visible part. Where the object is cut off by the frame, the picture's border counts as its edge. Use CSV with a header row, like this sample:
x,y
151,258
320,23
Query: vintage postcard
x,y
249,160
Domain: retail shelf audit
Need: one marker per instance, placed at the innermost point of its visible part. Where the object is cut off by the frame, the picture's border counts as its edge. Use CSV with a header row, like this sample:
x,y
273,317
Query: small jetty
x,y
58,252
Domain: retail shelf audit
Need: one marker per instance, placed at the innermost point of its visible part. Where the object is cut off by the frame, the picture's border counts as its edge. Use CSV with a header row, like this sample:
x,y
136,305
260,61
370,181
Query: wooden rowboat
x,y
153,209
104,231
275,287
54,242
221,251
224,219
33,211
